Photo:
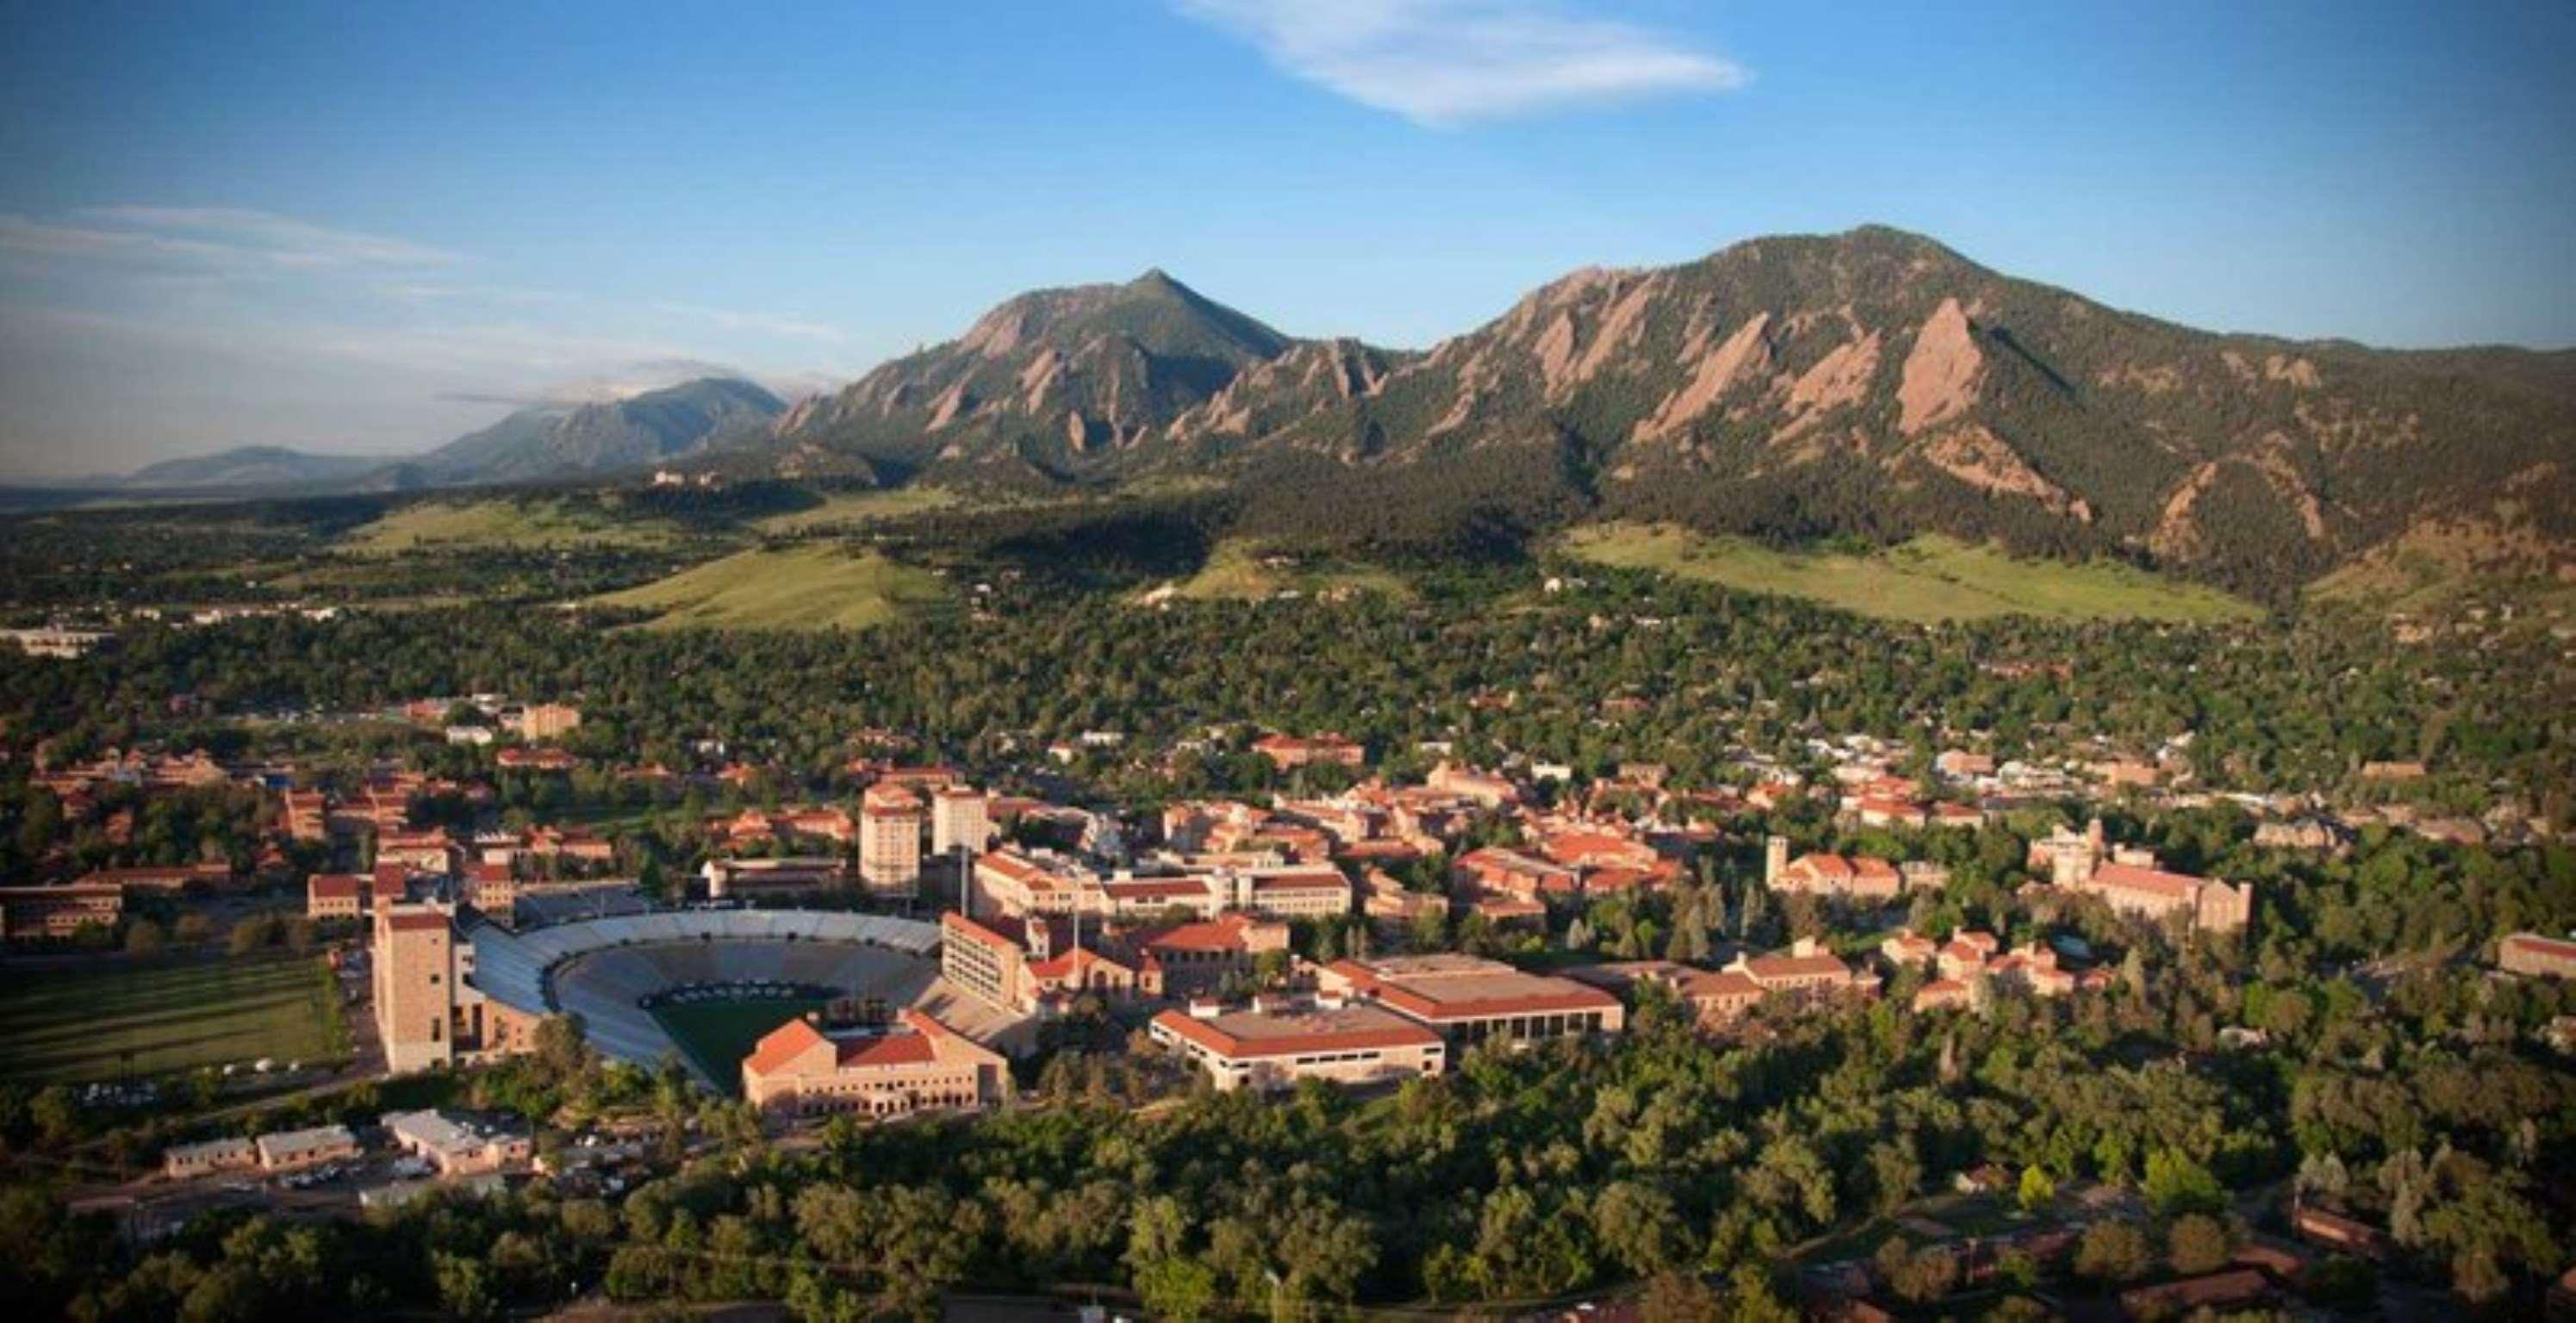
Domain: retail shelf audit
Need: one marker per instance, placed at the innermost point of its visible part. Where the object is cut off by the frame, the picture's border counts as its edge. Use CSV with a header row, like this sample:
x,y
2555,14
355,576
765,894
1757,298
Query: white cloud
x,y
1442,62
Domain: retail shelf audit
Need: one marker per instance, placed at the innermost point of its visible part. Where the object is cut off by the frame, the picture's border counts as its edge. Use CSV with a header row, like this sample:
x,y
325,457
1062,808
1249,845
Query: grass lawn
x,y
1928,579
523,523
117,1019
1239,569
817,586
717,1035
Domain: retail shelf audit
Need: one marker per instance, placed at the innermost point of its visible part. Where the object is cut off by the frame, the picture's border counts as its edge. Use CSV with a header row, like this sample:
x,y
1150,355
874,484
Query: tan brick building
x,y
890,839
427,1011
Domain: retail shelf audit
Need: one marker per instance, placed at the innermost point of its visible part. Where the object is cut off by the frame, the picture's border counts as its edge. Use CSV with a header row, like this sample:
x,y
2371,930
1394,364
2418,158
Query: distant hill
x,y
551,441
250,466
539,443
1872,382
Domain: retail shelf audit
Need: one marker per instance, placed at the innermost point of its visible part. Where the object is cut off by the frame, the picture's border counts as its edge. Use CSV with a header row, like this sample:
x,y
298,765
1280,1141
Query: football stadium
x,y
703,986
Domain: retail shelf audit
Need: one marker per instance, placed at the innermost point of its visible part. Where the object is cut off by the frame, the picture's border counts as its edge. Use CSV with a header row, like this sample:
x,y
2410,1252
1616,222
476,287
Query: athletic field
x,y
111,1020
717,1035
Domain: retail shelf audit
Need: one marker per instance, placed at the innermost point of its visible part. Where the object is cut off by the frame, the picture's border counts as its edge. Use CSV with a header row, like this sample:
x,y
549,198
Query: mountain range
x,y
1872,383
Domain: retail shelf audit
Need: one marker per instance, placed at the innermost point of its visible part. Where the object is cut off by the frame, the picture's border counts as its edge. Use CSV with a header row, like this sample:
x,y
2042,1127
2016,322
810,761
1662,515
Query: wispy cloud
x,y
1443,62
784,325
224,239
281,239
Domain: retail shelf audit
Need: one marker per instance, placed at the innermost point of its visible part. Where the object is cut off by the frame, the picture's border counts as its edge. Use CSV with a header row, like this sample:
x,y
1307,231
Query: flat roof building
x,y
287,1150
181,1162
1469,999
457,1145
1268,1046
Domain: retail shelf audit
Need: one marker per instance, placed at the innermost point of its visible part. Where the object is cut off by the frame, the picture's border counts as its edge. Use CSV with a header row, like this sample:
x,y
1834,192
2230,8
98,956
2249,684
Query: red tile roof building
x,y
336,895
1292,751
1804,970
2153,893
1829,874
2534,954
917,1064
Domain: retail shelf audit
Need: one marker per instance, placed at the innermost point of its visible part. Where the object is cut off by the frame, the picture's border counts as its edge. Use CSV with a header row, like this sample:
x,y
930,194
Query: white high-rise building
x,y
960,819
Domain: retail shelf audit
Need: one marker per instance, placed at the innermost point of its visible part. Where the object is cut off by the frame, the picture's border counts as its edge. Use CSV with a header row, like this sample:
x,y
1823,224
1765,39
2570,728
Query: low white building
x,y
456,1145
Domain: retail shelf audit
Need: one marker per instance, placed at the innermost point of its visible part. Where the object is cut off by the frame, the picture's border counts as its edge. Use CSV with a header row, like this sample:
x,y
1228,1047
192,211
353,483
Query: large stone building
x,y
428,1013
916,1064
1271,1046
890,840
2203,904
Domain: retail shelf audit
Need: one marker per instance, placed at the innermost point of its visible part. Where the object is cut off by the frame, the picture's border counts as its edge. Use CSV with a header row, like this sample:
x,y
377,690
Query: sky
x,y
367,228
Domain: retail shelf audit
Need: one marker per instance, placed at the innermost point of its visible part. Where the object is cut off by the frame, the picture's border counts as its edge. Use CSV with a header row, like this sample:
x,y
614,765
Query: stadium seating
x,y
603,969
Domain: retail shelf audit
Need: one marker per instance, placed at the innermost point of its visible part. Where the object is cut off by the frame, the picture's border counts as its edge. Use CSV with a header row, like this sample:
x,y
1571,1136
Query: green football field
x,y
718,1035
112,1020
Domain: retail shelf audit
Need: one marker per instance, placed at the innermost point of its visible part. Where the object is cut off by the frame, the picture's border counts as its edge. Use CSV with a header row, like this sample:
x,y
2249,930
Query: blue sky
x,y
370,227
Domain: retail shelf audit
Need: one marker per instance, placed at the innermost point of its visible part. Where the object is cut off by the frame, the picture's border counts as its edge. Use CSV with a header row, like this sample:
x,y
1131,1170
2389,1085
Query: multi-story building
x,y
890,839
960,819
980,959
1033,964
56,912
547,721
336,895
1269,1046
428,1013
916,1064
423,852
1468,999
492,889
1187,959
308,815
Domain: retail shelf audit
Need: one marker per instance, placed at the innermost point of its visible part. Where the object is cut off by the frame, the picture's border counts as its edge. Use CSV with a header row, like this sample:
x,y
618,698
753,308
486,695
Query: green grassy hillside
x,y
522,523
1928,579
859,507
818,586
1245,570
